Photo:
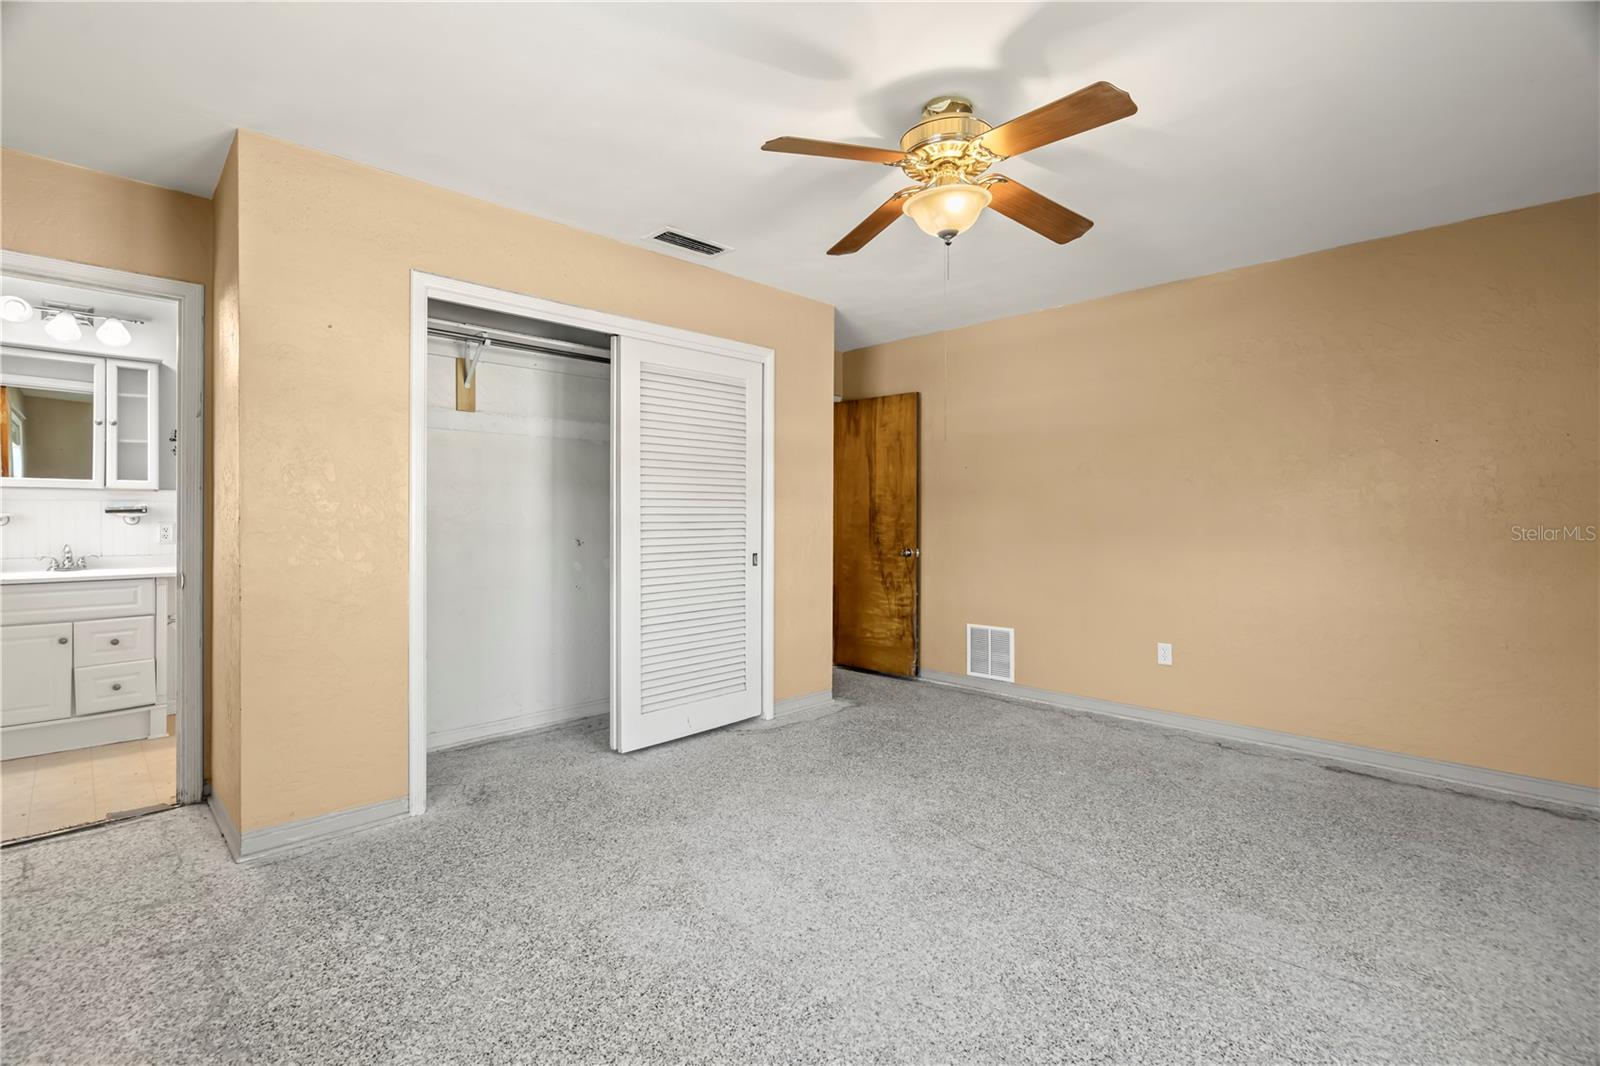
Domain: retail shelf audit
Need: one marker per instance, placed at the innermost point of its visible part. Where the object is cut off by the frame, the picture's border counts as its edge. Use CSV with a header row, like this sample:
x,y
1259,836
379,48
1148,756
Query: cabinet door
x,y
52,419
132,428
36,664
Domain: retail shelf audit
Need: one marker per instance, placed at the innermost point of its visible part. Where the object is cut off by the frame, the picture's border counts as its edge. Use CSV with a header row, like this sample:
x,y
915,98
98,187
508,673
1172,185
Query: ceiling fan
x,y
948,154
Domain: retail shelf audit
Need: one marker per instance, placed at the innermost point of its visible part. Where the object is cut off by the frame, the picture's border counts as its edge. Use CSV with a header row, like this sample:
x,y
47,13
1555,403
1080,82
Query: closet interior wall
x,y
518,535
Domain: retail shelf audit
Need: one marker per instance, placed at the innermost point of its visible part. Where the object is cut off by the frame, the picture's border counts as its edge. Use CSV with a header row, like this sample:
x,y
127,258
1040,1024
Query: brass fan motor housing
x,y
941,145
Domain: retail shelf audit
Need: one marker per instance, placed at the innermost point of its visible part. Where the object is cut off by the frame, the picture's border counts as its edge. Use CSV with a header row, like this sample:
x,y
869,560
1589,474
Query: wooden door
x,y
689,622
876,548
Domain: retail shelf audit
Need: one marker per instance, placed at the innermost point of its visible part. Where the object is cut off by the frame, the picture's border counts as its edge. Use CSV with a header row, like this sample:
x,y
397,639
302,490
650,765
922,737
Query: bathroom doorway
x,y
101,552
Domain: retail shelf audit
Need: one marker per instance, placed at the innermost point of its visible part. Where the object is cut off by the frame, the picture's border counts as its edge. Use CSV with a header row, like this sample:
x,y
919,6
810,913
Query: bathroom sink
x,y
98,570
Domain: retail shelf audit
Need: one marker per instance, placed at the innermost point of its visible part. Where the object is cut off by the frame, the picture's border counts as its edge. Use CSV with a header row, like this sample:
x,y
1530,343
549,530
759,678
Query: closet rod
x,y
500,338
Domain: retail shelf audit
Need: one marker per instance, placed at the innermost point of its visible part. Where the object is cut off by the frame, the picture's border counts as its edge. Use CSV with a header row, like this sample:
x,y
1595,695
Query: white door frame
x,y
188,694
425,287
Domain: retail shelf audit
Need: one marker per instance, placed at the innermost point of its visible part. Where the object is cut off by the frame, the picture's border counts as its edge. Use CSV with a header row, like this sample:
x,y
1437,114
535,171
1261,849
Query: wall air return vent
x,y
990,651
689,244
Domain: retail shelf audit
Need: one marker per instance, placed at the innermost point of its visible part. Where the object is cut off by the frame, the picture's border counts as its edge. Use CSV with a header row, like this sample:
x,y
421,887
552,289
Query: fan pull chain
x,y
944,419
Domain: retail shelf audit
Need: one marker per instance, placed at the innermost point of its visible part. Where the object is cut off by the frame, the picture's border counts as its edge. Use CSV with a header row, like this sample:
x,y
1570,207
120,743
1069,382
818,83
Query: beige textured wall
x,y
67,212
222,515
325,255
1302,474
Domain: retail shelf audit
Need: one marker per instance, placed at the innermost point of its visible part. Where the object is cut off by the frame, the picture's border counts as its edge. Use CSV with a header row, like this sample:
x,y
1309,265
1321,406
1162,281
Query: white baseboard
x,y
279,840
68,734
811,701
792,711
520,723
1410,768
225,824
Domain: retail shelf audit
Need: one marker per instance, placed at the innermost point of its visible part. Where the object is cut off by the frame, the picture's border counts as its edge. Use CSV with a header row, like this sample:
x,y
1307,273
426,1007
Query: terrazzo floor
x,y
926,876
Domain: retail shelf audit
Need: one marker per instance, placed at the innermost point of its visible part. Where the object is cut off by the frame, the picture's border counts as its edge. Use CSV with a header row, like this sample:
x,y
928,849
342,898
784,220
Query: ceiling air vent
x,y
989,652
687,243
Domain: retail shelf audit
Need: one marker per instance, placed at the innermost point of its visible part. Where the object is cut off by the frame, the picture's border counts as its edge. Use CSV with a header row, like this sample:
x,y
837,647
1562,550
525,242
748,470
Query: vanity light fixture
x,y
15,309
63,326
65,322
113,333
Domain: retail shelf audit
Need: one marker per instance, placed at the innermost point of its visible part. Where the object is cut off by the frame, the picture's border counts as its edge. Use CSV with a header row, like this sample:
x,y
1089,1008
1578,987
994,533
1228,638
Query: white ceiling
x,y
1264,130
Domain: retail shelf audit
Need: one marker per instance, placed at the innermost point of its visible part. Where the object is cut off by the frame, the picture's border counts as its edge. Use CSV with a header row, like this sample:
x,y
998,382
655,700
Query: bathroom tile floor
x,y
46,793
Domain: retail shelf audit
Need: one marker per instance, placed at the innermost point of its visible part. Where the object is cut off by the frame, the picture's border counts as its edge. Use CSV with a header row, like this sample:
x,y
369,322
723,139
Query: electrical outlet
x,y
166,534
1163,654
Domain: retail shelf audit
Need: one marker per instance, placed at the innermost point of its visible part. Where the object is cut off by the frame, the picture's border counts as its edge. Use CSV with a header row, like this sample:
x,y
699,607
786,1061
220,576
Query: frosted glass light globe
x,y
15,309
947,211
113,333
63,326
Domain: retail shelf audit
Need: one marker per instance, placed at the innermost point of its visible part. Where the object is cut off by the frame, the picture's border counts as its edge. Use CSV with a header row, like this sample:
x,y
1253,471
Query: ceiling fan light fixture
x,y
947,211
948,155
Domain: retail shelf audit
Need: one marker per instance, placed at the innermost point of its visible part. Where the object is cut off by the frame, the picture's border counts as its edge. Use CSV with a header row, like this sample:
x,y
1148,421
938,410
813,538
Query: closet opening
x,y
591,516
519,520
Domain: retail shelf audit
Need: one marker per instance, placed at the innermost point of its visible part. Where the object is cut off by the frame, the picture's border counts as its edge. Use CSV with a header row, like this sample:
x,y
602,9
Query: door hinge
x,y
755,558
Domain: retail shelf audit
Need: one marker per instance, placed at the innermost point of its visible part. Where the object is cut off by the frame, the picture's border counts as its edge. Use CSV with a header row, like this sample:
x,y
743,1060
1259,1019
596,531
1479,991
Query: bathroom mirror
x,y
52,434
52,426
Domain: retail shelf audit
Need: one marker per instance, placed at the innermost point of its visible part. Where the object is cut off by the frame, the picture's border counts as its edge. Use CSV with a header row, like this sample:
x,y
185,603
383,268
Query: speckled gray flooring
x,y
929,876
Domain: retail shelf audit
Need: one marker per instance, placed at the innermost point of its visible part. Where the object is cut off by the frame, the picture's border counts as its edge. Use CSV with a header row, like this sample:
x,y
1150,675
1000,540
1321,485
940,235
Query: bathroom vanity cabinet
x,y
83,662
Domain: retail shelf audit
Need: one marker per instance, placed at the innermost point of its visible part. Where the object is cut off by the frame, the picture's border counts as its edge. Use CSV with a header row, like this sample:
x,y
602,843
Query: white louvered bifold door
x,y
689,520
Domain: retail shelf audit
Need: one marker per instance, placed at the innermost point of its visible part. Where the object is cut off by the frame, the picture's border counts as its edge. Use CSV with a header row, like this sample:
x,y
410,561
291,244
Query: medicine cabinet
x,y
78,421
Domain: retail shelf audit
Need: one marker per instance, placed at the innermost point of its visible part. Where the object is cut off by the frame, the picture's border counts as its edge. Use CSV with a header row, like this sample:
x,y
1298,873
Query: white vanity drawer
x,y
113,640
76,601
114,687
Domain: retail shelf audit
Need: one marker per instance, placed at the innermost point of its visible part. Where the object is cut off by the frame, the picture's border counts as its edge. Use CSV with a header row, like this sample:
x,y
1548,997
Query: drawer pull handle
x,y
61,640
116,687
115,641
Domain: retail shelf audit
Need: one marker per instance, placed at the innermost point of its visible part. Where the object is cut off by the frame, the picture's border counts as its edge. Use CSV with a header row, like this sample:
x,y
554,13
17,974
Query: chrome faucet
x,y
68,561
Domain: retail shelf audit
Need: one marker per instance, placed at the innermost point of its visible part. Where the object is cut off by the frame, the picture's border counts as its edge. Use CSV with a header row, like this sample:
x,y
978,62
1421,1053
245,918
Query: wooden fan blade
x,y
1091,106
866,153
1039,213
873,224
